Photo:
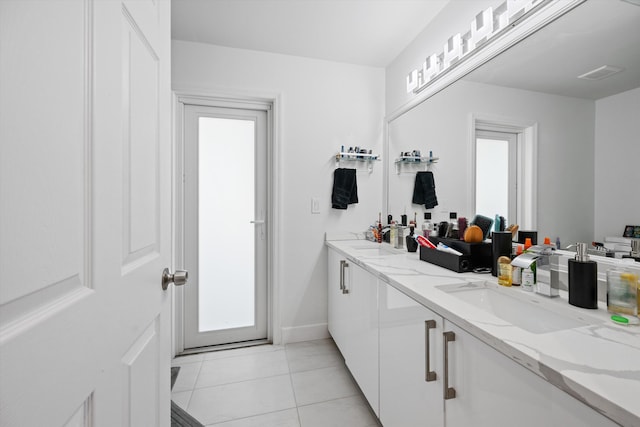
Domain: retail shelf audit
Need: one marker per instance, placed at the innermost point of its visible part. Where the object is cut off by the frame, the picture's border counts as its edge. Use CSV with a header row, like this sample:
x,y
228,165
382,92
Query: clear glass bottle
x,y
504,271
622,293
427,228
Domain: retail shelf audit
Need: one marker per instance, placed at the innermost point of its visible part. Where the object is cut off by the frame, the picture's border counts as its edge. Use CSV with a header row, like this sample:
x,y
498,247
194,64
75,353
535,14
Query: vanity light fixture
x,y
486,25
600,73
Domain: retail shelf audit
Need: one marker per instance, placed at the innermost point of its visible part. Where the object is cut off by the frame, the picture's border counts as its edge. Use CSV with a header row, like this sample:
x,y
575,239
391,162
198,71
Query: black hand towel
x,y
345,188
424,191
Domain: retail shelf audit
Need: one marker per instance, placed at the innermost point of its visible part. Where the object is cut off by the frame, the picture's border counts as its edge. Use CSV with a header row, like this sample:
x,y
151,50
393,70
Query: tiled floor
x,y
298,385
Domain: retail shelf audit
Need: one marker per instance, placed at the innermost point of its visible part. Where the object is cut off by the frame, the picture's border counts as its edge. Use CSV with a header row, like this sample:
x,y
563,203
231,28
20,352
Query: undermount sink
x,y
366,248
520,309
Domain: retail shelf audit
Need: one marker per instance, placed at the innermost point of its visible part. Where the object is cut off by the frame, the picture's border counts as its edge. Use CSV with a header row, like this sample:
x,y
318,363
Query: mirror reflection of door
x,y
225,226
496,174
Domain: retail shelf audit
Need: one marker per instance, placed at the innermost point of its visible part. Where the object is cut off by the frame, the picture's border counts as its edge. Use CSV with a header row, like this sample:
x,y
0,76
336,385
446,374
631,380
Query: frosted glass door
x,y
225,186
226,237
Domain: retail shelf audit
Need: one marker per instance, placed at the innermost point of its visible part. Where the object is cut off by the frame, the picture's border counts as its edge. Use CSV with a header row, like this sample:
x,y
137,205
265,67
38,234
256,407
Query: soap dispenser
x,y
583,279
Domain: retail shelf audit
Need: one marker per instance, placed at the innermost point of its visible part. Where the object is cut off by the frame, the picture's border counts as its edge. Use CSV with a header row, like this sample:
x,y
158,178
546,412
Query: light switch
x,y
315,205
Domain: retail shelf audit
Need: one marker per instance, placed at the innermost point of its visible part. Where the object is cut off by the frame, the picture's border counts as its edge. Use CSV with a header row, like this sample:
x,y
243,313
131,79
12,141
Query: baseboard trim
x,y
293,334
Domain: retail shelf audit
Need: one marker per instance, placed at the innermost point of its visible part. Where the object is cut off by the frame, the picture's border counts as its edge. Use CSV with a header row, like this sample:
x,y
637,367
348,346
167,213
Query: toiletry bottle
x,y
393,233
527,243
583,279
622,294
412,245
516,272
427,228
453,225
462,227
379,227
504,271
528,275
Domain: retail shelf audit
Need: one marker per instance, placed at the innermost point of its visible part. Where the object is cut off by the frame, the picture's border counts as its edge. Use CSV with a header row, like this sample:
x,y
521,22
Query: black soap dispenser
x,y
583,279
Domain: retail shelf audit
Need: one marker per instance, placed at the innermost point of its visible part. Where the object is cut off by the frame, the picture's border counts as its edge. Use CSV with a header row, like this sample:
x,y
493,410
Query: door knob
x,y
178,278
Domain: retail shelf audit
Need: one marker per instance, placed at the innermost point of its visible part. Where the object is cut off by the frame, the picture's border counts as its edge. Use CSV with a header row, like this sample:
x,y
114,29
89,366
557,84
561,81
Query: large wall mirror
x,y
561,165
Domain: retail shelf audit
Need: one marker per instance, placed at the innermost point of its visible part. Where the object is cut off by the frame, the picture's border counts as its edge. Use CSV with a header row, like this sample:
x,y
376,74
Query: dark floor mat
x,y
174,375
180,417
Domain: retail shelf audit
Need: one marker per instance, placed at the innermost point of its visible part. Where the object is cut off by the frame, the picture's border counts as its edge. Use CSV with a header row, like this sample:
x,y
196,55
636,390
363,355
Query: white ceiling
x,y
365,32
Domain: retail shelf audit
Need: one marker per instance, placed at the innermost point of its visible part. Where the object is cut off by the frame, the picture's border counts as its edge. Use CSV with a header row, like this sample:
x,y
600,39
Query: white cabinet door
x,y
490,389
493,390
353,321
362,330
338,305
407,399
85,211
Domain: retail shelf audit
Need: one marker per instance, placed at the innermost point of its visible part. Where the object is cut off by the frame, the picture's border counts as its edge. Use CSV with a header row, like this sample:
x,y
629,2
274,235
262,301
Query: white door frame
x,y
207,98
527,130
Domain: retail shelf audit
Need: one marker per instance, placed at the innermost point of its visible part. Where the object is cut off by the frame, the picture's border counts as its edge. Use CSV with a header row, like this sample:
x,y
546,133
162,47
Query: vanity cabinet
x,y
493,390
405,356
353,321
487,388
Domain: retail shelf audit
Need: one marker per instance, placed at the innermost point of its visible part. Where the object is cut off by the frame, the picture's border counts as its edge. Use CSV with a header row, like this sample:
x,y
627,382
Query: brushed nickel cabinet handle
x,y
429,375
449,392
343,264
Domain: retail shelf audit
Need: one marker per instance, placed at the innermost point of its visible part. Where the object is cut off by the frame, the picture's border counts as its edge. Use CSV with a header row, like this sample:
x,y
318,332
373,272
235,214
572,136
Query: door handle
x,y
449,392
257,221
429,375
179,278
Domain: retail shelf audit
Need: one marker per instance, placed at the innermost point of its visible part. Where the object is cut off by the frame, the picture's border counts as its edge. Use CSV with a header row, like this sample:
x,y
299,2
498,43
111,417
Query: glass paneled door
x,y
225,191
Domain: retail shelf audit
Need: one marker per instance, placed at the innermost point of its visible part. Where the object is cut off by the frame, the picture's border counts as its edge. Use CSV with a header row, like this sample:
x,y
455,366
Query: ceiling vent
x,y
600,73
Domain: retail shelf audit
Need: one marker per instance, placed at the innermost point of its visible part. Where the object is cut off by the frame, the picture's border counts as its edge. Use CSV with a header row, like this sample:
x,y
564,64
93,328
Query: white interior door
x,y
85,207
225,198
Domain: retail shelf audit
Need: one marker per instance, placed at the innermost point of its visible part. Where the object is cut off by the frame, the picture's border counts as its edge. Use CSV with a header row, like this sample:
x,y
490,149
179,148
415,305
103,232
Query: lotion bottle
x,y
427,228
583,279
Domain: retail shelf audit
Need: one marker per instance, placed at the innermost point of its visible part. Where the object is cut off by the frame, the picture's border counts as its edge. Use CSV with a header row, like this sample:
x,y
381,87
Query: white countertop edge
x,y
597,400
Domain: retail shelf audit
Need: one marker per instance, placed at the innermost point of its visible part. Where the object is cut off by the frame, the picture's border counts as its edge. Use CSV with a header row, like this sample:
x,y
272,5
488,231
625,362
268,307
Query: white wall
x,y
617,153
565,152
323,105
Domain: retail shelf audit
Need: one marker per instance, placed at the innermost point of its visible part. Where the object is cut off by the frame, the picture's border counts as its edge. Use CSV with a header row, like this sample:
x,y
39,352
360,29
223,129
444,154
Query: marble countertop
x,y
597,361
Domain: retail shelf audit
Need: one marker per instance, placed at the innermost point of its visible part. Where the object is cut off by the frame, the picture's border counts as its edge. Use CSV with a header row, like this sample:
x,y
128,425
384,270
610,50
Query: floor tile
x,y
239,400
323,384
189,358
350,411
187,376
286,418
223,354
182,398
310,355
242,368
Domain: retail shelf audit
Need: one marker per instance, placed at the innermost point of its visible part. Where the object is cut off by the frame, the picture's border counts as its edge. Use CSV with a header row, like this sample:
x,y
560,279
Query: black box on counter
x,y
479,253
475,255
457,263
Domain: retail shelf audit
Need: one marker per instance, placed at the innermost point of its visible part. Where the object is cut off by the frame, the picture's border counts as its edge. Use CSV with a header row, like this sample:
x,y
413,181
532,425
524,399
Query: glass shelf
x,y
358,157
413,160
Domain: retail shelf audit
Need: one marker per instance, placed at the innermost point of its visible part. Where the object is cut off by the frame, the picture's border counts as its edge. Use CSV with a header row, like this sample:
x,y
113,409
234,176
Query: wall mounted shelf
x,y
414,160
365,158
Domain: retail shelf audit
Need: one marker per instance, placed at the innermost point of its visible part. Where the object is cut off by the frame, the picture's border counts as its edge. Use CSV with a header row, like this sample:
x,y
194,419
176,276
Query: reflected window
x,y
496,180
